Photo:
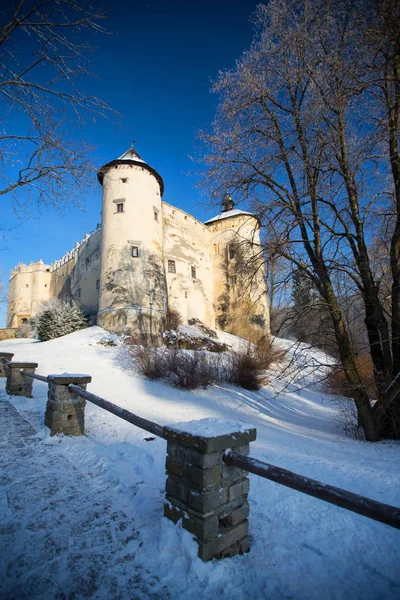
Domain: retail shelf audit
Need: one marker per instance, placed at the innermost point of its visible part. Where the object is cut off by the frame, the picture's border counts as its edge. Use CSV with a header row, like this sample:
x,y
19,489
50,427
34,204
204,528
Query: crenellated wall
x,y
75,277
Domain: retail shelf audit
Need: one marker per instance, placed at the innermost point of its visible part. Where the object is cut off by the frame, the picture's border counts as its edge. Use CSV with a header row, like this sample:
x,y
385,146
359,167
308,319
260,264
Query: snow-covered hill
x,y
300,547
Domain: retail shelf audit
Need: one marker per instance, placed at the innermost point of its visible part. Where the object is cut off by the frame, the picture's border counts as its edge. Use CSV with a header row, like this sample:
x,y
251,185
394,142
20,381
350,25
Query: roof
x,y
229,213
130,157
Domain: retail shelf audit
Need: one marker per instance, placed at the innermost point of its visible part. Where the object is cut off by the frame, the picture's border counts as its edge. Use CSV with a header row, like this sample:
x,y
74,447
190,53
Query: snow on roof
x,y
131,154
228,213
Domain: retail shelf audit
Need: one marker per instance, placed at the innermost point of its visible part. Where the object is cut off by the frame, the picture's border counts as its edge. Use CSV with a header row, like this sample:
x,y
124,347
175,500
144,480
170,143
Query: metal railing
x,y
378,511
384,513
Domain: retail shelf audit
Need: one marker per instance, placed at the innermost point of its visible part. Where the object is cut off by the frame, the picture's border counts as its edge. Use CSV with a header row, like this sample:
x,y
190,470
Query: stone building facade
x,y
148,257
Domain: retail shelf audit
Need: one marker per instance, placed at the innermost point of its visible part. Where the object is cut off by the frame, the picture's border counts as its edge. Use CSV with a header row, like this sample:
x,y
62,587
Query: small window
x,y
87,262
185,294
98,284
26,285
216,249
171,266
135,252
124,179
47,270
232,280
231,252
194,272
79,293
120,207
45,285
156,215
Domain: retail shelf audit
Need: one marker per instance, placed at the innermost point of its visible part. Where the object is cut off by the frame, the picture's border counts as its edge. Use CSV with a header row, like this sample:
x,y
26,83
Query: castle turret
x,y
29,285
133,292
240,293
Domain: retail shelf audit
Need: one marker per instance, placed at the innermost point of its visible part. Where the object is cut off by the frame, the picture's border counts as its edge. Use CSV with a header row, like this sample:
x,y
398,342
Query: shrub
x,y
173,319
56,319
151,362
191,370
246,367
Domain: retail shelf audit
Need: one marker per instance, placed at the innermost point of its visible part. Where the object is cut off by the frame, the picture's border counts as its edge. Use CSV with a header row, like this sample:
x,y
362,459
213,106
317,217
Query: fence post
x,y
5,357
209,496
65,411
17,384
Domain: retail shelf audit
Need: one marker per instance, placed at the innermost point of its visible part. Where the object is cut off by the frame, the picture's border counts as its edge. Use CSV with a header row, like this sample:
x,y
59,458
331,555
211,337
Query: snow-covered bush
x,y
55,319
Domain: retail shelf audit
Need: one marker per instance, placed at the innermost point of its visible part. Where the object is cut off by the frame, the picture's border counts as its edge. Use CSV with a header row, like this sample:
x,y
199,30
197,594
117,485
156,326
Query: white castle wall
x,y
187,242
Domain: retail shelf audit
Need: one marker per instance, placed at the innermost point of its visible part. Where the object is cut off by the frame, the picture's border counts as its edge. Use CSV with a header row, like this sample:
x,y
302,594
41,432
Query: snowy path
x,y
58,536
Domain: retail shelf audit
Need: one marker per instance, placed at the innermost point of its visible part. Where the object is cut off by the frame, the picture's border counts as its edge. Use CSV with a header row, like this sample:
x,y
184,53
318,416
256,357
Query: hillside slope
x,y
300,547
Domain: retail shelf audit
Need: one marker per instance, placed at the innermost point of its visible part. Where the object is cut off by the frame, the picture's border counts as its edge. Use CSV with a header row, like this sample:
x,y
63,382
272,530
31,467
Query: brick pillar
x,y
65,411
5,357
17,384
209,496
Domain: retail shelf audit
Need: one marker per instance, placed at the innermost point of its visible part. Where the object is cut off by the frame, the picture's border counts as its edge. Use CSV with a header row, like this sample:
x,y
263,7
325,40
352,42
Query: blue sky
x,y
155,70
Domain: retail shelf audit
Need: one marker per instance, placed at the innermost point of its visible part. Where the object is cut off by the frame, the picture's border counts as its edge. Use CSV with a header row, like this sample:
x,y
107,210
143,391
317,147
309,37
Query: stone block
x,y
178,452
205,503
203,479
239,489
174,466
177,489
235,516
216,547
67,378
231,474
239,547
205,461
214,439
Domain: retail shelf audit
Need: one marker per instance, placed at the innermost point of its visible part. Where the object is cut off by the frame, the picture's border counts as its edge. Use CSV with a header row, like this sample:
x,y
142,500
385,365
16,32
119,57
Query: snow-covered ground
x,y
82,517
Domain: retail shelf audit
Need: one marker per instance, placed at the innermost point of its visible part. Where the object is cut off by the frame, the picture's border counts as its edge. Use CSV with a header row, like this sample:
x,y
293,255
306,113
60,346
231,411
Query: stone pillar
x,y
5,357
17,384
209,496
65,411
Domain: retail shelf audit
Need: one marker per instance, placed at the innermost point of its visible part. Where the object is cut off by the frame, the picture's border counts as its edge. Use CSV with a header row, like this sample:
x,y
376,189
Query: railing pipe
x,y
34,376
149,426
384,513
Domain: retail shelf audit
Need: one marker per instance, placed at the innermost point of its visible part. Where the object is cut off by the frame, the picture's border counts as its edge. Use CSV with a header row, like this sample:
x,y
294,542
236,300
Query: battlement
x,y
31,268
72,253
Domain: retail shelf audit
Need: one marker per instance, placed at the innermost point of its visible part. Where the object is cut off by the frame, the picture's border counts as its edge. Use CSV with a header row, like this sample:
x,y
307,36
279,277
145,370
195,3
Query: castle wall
x,y
76,277
187,243
241,305
29,285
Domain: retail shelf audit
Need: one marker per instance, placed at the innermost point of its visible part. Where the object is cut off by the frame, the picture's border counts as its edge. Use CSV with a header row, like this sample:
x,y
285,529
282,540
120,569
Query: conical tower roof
x,y
130,157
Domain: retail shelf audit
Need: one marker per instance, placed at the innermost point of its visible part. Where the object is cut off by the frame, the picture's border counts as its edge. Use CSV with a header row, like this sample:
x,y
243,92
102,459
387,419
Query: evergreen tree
x,y
56,319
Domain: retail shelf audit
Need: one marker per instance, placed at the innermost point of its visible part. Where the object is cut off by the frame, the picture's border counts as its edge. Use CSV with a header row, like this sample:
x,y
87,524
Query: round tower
x,y
133,291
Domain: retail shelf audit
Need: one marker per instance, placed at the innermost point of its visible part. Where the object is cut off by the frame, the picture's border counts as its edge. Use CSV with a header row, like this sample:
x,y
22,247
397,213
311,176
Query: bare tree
x,y
301,135
44,56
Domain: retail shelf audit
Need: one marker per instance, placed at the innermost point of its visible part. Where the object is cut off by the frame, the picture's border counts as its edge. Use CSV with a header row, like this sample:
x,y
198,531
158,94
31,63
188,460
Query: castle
x,y
149,257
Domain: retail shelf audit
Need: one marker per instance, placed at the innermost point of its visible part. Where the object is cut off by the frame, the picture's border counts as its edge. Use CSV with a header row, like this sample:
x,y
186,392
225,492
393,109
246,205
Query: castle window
x,y
45,285
124,179
155,213
120,207
135,252
232,280
171,266
47,270
231,252
26,285
185,294
98,284
194,272
216,249
87,262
